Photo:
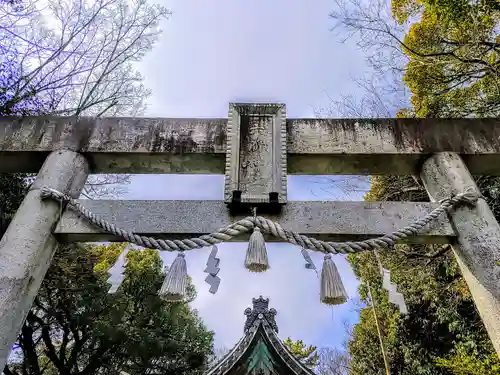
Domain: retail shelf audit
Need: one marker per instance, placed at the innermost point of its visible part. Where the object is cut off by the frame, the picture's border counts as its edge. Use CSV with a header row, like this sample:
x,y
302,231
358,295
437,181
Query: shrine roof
x,y
260,336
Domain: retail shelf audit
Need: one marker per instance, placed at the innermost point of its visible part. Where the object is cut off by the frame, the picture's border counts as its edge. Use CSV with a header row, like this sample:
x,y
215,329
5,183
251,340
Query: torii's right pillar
x,y
477,248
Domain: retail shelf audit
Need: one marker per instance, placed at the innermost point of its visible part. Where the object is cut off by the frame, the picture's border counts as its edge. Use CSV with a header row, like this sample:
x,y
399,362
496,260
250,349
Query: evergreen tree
x,y
305,354
76,327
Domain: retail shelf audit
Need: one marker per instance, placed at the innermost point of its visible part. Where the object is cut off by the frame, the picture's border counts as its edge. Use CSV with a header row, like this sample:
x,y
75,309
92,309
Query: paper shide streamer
x,y
256,258
117,272
213,269
395,297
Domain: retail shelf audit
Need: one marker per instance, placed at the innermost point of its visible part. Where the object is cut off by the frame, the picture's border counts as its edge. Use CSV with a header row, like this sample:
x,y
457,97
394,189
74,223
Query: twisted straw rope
x,y
469,197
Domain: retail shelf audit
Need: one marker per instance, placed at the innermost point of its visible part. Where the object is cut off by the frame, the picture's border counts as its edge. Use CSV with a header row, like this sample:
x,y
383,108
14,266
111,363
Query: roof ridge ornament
x,y
260,310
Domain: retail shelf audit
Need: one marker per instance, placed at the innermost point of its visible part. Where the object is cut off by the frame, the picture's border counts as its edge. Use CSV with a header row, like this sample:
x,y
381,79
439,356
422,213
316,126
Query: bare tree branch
x,y
333,361
82,62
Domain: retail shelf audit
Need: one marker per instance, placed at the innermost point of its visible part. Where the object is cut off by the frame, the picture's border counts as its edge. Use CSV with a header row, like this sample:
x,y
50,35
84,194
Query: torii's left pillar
x,y
28,245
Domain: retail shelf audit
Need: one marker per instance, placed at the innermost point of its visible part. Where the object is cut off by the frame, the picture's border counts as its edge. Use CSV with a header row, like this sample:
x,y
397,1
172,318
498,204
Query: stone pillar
x,y
27,247
478,245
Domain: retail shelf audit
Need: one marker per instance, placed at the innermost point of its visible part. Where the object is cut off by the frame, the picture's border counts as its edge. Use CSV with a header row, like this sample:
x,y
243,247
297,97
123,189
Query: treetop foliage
x,y
305,354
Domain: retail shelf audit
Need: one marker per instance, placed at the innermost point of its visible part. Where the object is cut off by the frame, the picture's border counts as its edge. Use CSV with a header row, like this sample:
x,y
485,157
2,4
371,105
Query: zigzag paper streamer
x,y
309,262
213,269
116,272
394,296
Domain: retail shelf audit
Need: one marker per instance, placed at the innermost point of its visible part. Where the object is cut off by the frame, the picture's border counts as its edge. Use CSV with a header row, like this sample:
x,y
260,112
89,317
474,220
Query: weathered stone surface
x,y
256,152
315,146
478,243
326,220
116,144
27,247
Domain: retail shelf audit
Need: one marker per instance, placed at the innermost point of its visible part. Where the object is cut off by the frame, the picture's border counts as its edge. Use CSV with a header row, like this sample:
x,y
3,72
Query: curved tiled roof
x,y
260,321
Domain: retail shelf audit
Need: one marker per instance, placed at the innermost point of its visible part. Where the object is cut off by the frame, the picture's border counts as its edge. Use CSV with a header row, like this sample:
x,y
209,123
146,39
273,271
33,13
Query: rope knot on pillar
x,y
469,197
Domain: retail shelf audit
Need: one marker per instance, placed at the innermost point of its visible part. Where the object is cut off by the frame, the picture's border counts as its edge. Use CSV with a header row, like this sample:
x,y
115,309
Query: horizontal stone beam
x,y
314,146
326,220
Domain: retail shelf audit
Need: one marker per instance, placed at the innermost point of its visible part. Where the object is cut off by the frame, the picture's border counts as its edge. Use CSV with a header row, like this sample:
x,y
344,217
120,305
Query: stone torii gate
x,y
256,147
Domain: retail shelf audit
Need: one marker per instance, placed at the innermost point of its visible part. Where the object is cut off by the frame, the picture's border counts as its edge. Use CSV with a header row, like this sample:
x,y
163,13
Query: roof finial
x,y
259,311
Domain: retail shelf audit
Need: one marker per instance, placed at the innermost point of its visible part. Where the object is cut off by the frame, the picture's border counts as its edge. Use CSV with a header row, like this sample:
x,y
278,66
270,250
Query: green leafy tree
x,y
442,58
442,333
305,354
13,188
464,361
453,51
76,327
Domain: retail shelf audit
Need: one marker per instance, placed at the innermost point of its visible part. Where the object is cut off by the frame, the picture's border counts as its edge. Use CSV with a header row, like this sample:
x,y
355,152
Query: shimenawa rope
x,y
469,197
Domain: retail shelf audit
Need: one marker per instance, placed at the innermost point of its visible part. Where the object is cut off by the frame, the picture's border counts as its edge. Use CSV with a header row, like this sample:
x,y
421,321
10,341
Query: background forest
x,y
430,58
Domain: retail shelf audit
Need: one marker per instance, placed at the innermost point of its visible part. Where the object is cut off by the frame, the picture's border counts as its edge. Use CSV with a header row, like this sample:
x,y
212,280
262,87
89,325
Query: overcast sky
x,y
214,52
292,289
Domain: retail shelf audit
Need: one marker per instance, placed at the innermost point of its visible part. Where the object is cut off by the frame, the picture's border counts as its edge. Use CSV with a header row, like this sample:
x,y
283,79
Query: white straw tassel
x,y
256,257
175,284
332,289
